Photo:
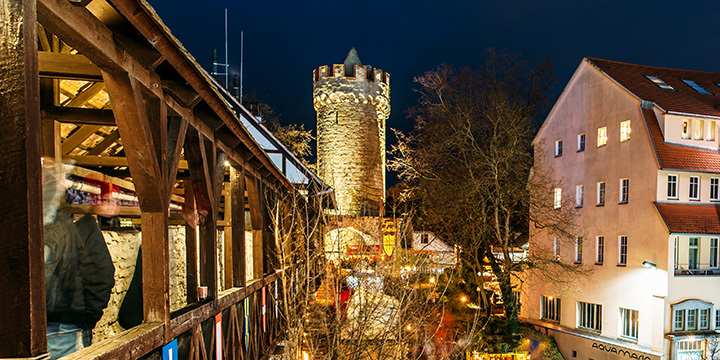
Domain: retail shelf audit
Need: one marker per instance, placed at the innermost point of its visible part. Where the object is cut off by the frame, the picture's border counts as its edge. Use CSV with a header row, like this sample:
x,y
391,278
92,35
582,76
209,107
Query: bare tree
x,y
469,165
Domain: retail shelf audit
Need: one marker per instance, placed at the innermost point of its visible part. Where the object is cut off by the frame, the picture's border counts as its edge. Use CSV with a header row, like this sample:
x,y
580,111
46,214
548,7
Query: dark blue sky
x,y
286,40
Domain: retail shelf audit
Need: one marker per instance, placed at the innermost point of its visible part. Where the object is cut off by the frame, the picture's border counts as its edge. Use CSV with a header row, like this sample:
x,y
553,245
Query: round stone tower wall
x,y
352,106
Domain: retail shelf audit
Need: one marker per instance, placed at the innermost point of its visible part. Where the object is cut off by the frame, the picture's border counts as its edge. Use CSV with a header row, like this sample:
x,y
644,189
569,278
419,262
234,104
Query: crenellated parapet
x,y
360,84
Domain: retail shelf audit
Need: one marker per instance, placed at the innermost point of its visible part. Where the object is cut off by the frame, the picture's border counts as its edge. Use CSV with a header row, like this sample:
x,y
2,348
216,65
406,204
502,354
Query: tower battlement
x,y
356,72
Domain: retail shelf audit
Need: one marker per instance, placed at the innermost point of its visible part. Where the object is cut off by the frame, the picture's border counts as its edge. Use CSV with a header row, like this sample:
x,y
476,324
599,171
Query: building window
x,y
424,238
714,252
622,256
602,136
579,195
625,131
693,252
557,198
686,129
601,193
600,249
694,189
589,316
679,323
714,189
581,142
550,308
695,86
578,250
717,319
624,190
692,319
558,148
629,323
677,249
660,83
556,249
710,132
698,129
672,186
704,319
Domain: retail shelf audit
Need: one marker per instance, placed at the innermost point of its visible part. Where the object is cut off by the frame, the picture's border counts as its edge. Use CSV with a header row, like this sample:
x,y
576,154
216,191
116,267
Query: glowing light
x,y
306,356
463,299
227,163
650,265
432,280
409,327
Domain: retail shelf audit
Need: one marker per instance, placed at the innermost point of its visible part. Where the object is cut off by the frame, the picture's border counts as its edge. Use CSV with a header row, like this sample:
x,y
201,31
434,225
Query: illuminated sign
x,y
388,230
620,351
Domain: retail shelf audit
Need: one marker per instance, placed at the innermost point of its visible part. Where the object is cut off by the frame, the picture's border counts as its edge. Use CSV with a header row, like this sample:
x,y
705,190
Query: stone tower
x,y
352,102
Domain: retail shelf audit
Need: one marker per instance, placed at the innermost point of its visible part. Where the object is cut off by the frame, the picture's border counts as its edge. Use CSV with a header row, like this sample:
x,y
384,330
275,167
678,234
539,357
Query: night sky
x,y
286,40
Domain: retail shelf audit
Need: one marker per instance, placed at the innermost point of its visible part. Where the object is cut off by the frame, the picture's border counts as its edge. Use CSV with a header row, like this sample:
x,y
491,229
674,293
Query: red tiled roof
x,y
684,99
679,157
690,219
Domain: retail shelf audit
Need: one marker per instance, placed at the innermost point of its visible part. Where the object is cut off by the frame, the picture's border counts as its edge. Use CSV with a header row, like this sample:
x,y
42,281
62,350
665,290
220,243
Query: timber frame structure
x,y
103,84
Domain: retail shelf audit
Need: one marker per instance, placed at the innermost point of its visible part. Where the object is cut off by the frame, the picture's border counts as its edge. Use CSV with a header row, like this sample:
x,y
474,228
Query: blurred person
x,y
79,273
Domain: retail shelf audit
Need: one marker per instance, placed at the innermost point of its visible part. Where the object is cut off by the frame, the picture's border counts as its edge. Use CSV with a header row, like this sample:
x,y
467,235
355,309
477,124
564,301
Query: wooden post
x,y
191,246
21,261
253,186
237,198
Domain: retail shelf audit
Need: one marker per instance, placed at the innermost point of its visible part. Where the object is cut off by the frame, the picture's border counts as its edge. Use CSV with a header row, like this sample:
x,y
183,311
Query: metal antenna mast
x,y
225,65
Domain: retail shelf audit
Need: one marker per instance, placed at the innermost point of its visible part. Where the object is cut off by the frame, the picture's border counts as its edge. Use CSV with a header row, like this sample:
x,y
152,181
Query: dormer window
x,y
696,87
686,129
660,83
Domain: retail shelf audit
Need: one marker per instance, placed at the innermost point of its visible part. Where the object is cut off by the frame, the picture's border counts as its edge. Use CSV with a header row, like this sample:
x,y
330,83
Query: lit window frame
x,y
698,128
685,129
579,196
589,316
710,130
660,83
550,308
624,190
629,324
581,142
600,193
602,136
578,250
557,198
625,131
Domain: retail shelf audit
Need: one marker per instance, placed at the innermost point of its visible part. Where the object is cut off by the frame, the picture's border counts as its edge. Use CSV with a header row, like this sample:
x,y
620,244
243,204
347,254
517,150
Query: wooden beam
x,y
135,131
237,199
77,137
78,115
107,161
105,143
84,95
191,265
80,29
67,66
21,259
177,130
42,35
183,94
155,271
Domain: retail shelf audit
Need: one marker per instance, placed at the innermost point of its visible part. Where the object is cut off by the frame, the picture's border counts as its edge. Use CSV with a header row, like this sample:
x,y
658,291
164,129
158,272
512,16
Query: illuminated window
x,y
625,131
556,249
550,308
589,316
578,250
557,198
672,186
581,142
686,129
600,193
698,129
558,147
629,323
697,87
694,189
599,250
579,195
714,189
622,256
660,83
710,131
714,252
602,136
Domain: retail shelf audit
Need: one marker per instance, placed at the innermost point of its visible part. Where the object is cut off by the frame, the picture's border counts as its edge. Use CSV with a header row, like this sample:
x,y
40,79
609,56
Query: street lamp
x,y
463,299
650,265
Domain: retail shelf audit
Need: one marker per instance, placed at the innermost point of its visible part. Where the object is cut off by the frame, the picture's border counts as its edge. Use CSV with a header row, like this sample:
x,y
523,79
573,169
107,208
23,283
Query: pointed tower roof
x,y
351,60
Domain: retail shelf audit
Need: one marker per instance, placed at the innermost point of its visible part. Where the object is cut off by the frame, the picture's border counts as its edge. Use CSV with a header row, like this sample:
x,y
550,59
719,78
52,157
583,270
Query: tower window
x,y
686,129
581,142
698,124
558,147
602,136
557,201
600,193
660,83
625,131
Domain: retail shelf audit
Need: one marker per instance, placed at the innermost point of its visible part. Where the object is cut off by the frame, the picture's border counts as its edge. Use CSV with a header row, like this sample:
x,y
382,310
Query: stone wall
x,y
123,247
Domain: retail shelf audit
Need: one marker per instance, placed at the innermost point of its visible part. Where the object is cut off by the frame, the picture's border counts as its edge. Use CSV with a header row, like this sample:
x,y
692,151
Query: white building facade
x,y
636,147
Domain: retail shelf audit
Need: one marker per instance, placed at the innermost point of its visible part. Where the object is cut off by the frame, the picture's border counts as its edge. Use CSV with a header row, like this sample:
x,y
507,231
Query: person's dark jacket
x,y
131,310
79,273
